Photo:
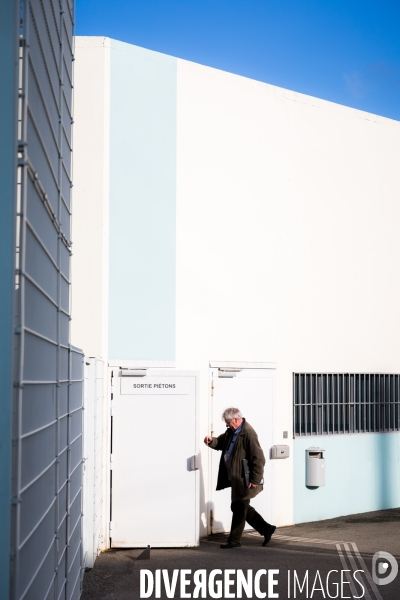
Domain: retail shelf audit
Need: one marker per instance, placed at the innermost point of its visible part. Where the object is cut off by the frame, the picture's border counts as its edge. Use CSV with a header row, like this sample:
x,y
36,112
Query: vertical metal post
x,y
369,403
295,408
313,408
334,401
306,402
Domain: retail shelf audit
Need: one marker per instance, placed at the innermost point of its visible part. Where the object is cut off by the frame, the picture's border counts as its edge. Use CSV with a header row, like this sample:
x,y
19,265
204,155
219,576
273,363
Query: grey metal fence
x,y
334,403
47,438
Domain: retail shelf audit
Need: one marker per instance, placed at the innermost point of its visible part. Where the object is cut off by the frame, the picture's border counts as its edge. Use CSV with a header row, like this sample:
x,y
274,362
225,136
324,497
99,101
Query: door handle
x,y
195,462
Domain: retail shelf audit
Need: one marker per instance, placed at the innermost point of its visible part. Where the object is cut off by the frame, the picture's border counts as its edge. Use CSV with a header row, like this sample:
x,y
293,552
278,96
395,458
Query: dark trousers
x,y
242,512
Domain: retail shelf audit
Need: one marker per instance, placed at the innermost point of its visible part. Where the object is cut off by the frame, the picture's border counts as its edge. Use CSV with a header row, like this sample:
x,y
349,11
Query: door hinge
x,y
111,462
212,387
110,526
133,373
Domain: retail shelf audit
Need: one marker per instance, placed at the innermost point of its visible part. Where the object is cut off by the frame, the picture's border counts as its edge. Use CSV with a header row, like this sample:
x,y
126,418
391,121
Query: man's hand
x,y
207,440
252,485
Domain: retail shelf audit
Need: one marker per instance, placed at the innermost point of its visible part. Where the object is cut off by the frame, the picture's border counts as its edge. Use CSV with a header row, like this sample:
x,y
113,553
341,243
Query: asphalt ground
x,y
298,559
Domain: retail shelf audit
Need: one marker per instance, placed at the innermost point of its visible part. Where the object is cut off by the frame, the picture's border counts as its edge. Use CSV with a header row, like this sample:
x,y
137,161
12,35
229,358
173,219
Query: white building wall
x,y
287,215
90,254
286,242
89,263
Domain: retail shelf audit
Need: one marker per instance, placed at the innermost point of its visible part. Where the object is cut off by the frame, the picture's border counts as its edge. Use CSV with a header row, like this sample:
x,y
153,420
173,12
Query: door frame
x,y
165,369
240,365
110,366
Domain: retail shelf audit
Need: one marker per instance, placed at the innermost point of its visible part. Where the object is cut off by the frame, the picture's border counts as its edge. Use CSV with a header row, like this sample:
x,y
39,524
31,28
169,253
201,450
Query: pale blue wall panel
x,y
362,474
142,203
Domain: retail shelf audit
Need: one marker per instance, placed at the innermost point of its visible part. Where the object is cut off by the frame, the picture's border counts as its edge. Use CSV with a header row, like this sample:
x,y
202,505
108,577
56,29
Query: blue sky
x,y
344,51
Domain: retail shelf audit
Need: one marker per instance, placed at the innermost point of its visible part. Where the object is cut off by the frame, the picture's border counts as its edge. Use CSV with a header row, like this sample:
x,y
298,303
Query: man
x,y
240,442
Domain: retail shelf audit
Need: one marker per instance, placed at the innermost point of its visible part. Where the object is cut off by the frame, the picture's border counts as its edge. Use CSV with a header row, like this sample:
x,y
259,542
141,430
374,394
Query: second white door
x,y
252,391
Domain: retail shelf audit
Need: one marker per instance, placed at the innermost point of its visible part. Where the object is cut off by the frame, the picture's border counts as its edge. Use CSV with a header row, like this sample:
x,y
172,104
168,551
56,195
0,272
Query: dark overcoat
x,y
246,446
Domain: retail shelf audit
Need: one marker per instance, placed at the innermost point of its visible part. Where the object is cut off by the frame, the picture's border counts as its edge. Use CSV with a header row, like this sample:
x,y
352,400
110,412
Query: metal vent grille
x,y
334,403
47,438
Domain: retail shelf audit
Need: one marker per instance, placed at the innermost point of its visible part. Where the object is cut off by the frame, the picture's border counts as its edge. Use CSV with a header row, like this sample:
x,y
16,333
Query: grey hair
x,y
231,413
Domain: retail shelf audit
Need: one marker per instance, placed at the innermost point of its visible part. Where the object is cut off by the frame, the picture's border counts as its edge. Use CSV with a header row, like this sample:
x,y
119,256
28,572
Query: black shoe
x,y
268,535
229,544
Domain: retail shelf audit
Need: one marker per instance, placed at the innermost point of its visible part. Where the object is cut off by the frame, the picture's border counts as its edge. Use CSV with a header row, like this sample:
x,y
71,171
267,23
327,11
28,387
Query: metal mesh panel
x,y
47,458
334,403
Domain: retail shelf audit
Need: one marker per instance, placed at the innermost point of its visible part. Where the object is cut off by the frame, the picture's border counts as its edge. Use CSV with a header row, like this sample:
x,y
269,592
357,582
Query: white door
x,y
154,477
252,391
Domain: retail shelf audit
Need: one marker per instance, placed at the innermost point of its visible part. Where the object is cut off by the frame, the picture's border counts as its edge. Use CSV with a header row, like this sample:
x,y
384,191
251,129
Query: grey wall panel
x,y
64,291
76,393
70,7
68,93
76,375
44,580
75,511
76,452
72,591
75,427
38,217
73,556
62,549
42,41
38,454
68,29
65,218
75,482
66,153
66,187
41,314
38,70
48,84
42,120
66,121
74,543
64,261
36,545
40,587
39,496
51,22
68,76
46,146
42,165
47,536
63,433
35,552
39,266
63,399
40,359
63,364
9,50
52,590
61,581
55,7
62,515
38,407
